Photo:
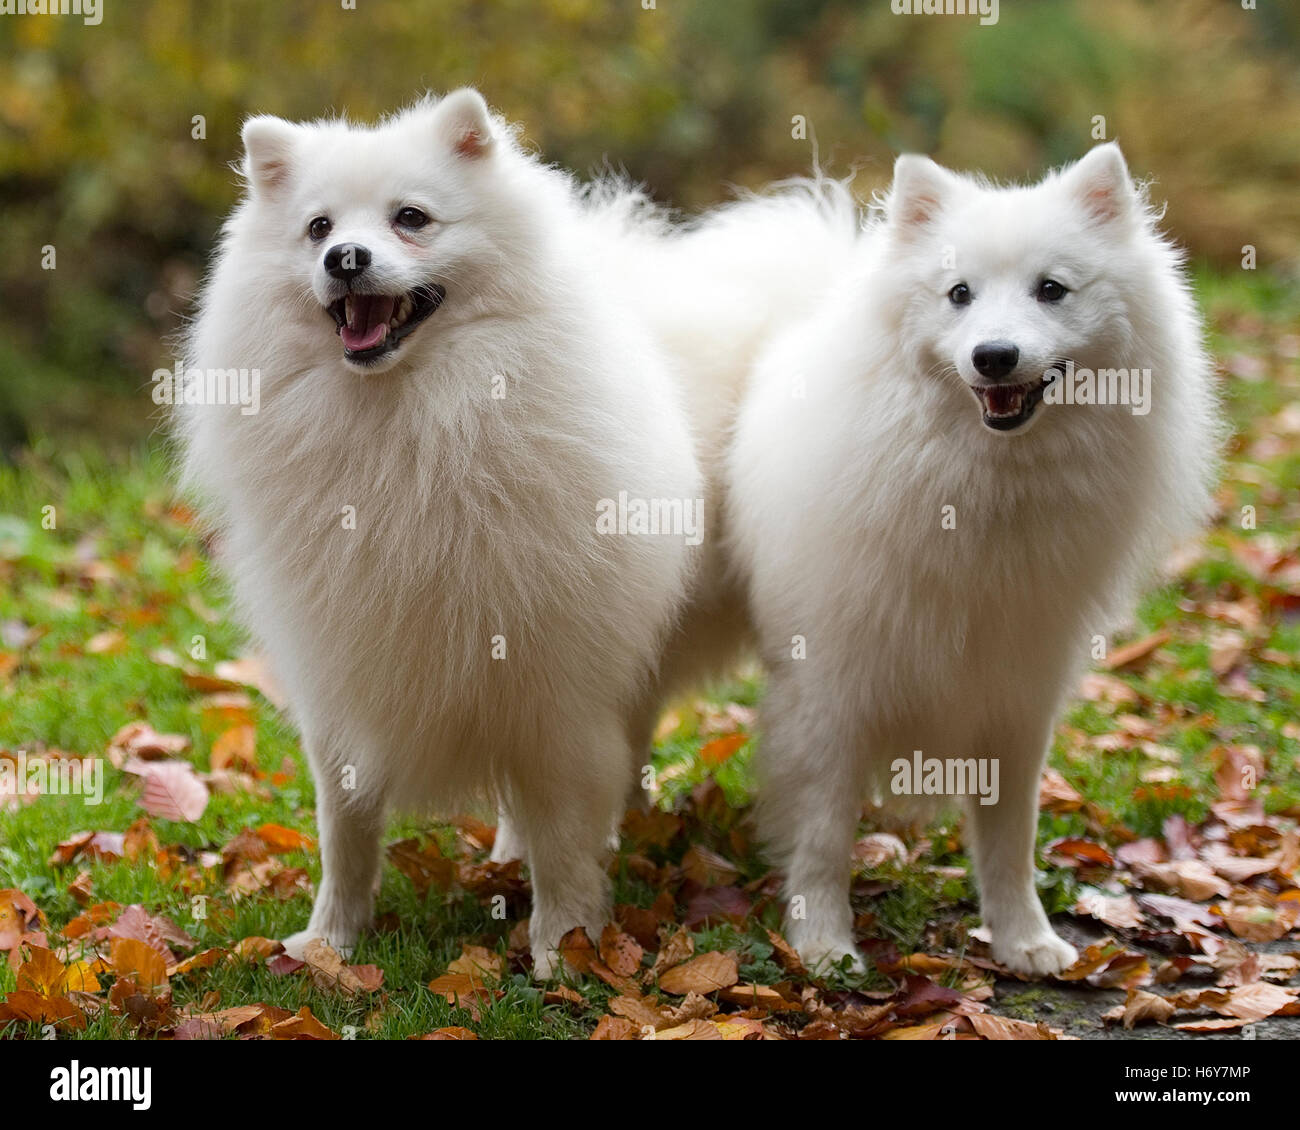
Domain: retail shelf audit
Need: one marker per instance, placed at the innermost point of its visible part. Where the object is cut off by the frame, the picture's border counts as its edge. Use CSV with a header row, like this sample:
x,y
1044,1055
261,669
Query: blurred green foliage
x,y
97,156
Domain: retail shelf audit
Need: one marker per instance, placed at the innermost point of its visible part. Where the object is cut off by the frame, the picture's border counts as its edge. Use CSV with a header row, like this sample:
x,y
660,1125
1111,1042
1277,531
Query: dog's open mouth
x,y
1007,407
372,325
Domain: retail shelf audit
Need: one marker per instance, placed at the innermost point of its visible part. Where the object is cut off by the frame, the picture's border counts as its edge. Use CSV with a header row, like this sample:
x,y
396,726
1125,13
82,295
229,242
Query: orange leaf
x,y
42,973
235,749
139,961
714,753
704,974
280,839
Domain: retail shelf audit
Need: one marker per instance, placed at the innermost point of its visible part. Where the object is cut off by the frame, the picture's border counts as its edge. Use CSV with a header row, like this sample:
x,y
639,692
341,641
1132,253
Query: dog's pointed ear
x,y
464,123
920,189
1101,184
269,144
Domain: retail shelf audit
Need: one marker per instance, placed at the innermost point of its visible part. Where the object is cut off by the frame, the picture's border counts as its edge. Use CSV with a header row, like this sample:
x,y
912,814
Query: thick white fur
x,y
475,515
860,428
711,293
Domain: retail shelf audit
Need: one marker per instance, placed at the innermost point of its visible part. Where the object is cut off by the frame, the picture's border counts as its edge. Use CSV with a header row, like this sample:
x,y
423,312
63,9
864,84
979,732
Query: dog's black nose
x,y
994,359
347,260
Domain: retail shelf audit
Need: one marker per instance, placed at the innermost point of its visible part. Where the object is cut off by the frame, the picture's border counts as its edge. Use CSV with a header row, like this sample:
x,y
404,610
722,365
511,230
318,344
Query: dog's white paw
x,y
824,955
1038,955
296,944
547,966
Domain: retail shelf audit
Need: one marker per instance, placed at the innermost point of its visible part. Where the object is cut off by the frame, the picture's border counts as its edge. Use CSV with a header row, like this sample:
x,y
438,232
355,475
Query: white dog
x,y
431,522
935,515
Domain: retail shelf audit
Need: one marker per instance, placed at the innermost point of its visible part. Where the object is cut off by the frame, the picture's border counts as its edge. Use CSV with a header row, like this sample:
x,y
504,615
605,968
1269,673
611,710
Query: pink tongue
x,y
1002,398
368,325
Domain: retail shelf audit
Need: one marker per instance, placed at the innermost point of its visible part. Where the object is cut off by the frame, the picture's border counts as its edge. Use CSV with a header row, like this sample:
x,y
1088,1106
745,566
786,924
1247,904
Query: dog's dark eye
x,y
319,228
960,295
1049,290
411,218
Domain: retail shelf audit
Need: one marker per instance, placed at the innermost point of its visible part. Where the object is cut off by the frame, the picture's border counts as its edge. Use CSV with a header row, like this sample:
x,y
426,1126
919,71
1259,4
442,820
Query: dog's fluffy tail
x,y
713,290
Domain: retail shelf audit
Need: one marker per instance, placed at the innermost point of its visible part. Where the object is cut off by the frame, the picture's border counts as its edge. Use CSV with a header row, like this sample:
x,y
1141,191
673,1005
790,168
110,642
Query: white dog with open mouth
x,y
929,541
454,390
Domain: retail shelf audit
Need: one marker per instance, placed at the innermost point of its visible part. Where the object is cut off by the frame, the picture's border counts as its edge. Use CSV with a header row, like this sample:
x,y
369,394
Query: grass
x,y
120,564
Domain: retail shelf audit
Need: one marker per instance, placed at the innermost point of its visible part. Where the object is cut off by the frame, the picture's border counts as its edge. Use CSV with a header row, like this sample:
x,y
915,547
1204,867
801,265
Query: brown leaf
x,y
1257,923
758,996
640,1011
1056,794
478,962
172,790
282,840
422,863
577,950
18,916
206,959
25,1005
1140,1007
786,956
691,1030
1072,852
452,1033
331,974
255,948
1118,912
616,1028
677,949
459,988
1134,656
717,904
156,931
139,739
720,750
1187,877
693,1007
236,748
1230,1025
139,961
706,973
620,951
1004,1028
303,1026
708,868
253,671
103,846
1097,687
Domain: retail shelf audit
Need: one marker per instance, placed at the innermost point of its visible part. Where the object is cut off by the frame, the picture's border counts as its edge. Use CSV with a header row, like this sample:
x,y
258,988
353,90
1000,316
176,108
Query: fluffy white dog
x,y
935,514
461,521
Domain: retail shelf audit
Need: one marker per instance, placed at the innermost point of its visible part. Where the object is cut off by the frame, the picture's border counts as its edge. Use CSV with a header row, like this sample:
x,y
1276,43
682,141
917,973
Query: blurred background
x,y
98,157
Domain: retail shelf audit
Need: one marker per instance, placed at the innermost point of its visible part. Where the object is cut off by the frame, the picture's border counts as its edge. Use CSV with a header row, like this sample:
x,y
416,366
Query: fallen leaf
x,y
720,750
704,974
1134,656
172,790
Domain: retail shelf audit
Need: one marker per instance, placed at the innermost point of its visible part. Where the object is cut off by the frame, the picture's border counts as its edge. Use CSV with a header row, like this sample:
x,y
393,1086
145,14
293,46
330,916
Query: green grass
x,y
122,557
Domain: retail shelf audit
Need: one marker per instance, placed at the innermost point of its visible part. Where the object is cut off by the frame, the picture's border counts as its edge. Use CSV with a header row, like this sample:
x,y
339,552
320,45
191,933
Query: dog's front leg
x,y
1002,847
350,818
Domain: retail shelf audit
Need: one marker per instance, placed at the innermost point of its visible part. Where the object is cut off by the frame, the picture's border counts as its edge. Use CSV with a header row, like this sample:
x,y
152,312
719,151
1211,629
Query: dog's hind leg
x,y
809,801
565,815
509,843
